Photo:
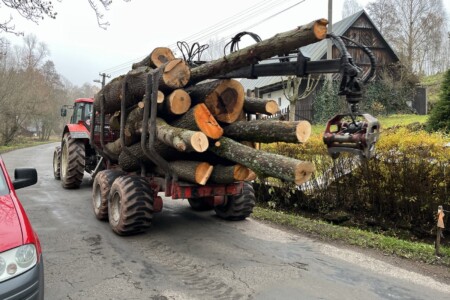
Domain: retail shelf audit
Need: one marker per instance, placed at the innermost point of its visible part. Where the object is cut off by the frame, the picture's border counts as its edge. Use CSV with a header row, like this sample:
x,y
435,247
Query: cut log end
x,y
251,176
241,172
176,74
199,142
203,172
227,101
272,107
303,172
303,131
178,102
206,122
161,55
320,29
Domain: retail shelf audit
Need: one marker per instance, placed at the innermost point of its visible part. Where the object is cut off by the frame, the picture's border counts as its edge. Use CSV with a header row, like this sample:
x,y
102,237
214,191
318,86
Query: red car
x,y
21,263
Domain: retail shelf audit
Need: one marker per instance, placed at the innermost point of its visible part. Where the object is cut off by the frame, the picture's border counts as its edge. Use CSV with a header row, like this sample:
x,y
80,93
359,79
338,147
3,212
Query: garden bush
x,y
401,186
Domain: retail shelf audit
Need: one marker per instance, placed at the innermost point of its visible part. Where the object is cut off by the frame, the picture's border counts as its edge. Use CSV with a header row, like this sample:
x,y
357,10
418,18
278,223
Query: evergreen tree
x,y
440,115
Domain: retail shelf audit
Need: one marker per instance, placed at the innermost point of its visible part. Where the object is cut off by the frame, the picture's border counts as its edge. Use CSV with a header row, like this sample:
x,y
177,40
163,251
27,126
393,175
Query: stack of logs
x,y
202,125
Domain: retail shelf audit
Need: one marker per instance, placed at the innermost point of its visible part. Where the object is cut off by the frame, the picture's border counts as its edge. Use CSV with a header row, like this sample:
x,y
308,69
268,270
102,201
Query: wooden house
x,y
358,27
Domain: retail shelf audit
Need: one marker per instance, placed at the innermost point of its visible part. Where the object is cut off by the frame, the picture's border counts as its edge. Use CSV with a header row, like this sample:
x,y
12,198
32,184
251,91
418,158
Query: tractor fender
x,y
77,131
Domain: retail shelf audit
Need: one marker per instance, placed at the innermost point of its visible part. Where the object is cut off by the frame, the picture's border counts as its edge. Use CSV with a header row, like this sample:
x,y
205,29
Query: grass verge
x,y
417,251
23,144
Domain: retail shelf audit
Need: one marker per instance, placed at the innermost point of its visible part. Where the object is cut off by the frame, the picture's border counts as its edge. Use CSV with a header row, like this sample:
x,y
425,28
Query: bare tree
x,y
350,7
36,10
382,13
415,28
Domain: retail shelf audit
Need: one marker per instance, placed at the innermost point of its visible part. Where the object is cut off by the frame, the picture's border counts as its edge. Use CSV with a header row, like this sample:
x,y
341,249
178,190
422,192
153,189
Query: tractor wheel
x,y
57,163
72,162
201,204
100,193
238,207
130,205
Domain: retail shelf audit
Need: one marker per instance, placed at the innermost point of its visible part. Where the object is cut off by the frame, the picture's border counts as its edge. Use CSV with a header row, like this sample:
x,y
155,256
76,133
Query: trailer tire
x,y
201,204
57,163
100,192
72,162
130,205
238,207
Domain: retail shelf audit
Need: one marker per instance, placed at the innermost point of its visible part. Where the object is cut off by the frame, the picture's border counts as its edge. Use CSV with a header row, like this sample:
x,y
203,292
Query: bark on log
x,y
280,43
265,163
199,118
191,171
175,75
131,159
224,98
267,131
178,138
260,106
181,139
229,174
156,58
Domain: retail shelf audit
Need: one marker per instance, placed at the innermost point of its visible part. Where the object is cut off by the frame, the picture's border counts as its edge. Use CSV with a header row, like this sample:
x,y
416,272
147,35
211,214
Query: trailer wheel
x,y
130,205
201,204
238,207
100,192
72,162
57,163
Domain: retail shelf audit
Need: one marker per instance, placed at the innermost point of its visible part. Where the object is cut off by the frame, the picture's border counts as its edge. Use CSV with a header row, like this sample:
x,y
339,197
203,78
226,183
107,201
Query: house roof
x,y
314,51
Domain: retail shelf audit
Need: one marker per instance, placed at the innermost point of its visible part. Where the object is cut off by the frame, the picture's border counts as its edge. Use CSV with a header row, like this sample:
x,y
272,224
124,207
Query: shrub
x,y
440,114
402,185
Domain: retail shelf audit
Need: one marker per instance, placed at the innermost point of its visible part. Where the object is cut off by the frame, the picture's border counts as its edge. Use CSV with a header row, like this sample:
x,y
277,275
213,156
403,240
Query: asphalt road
x,y
192,255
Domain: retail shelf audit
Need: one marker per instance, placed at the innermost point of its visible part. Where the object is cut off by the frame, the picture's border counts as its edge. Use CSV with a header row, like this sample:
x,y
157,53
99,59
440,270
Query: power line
x,y
220,26
216,28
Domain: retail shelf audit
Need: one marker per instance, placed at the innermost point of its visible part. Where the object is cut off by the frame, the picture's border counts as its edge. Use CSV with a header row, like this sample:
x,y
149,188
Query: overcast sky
x,y
81,49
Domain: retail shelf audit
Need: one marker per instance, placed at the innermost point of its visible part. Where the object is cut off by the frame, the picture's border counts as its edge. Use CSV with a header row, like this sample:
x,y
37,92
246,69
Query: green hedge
x,y
402,186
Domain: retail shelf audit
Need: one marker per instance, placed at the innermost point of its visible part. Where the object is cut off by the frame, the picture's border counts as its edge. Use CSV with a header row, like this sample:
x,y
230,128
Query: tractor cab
x,y
82,111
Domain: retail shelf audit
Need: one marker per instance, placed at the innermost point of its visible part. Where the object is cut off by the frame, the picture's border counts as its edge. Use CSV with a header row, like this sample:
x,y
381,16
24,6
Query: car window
x,y
3,187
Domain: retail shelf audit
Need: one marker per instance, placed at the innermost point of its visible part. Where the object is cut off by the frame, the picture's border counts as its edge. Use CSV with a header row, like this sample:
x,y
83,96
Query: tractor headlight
x,y
17,261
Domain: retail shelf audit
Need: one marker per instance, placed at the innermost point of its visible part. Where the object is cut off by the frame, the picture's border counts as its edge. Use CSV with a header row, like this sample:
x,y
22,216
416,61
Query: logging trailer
x,y
129,198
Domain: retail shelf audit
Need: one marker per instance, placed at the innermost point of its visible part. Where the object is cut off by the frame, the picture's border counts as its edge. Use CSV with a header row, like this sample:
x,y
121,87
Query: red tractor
x,y
75,155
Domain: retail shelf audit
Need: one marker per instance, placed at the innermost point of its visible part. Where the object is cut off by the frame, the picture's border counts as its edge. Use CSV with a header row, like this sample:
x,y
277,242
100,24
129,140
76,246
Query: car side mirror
x,y
24,177
63,112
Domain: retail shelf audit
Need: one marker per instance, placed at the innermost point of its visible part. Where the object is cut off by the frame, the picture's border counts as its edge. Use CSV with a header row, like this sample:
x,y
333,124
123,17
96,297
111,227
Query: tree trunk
x,y
260,106
181,139
268,131
175,75
199,118
278,44
156,58
265,163
229,174
224,98
191,171
131,158
177,103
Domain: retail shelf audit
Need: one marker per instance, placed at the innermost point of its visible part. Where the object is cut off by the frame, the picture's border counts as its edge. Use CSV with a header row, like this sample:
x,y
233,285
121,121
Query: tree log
x,y
181,139
260,106
156,58
229,174
191,171
267,131
133,157
265,163
199,118
280,43
224,98
175,75
176,103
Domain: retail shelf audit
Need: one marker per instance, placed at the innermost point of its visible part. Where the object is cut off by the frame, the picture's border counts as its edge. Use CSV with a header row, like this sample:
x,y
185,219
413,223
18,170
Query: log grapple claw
x,y
356,134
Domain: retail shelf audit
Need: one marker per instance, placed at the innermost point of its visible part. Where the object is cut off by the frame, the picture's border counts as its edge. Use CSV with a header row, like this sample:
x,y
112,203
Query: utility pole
x,y
329,43
103,75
